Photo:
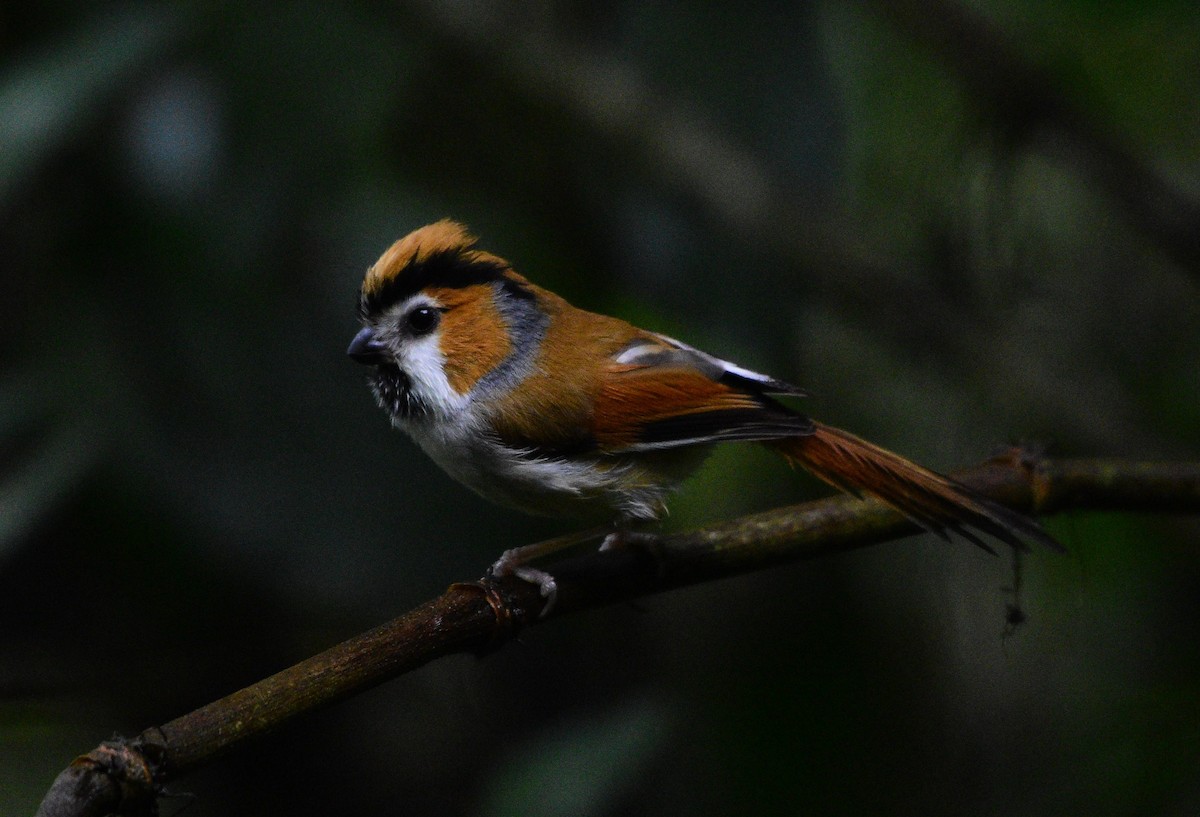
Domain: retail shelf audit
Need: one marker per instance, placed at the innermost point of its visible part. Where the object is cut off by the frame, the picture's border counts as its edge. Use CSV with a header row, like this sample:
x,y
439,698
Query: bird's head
x,y
443,321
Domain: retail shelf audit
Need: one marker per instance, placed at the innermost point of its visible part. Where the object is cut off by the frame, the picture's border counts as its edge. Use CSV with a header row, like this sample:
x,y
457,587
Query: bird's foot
x,y
510,564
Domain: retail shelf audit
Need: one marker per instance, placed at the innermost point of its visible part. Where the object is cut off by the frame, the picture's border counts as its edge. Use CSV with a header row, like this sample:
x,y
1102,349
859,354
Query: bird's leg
x,y
515,562
626,537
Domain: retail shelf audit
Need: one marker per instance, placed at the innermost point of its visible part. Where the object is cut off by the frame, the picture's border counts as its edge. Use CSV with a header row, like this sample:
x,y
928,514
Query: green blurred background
x,y
951,249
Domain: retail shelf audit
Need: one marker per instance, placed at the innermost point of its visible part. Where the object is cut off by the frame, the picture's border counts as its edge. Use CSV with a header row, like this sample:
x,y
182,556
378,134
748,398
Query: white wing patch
x,y
652,352
638,352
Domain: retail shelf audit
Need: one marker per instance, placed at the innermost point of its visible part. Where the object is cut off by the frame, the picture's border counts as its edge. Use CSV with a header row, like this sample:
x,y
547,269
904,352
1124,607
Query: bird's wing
x,y
658,393
653,349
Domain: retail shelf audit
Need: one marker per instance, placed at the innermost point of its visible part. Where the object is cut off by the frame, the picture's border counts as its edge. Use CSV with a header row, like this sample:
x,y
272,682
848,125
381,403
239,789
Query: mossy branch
x,y
125,777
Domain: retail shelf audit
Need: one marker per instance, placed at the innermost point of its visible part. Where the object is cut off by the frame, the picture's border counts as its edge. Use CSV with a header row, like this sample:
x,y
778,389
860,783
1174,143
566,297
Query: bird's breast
x,y
595,487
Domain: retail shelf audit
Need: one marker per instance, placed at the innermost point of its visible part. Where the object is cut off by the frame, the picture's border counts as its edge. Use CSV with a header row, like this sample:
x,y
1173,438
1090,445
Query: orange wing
x,y
660,393
663,404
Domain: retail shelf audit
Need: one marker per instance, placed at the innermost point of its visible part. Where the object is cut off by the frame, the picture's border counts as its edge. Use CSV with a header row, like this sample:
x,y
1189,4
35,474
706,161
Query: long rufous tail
x,y
935,502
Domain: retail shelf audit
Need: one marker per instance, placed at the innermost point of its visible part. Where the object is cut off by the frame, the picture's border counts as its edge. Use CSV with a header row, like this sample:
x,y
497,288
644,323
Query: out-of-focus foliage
x,y
196,490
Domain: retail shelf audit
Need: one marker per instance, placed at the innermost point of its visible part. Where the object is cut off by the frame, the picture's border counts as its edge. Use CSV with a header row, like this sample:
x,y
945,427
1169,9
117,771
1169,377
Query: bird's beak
x,y
365,349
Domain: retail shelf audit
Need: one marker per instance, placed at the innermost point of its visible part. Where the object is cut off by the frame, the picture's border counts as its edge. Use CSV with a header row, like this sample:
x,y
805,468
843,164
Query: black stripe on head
x,y
451,268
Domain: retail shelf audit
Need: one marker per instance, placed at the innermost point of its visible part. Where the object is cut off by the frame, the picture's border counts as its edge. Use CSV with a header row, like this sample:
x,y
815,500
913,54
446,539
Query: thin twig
x,y
124,777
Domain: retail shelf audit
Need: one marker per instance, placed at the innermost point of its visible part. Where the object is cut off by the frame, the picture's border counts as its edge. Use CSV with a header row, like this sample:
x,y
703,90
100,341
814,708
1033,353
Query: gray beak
x,y
365,349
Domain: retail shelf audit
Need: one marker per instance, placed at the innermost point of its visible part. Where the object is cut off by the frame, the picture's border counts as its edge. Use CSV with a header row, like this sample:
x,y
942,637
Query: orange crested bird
x,y
541,406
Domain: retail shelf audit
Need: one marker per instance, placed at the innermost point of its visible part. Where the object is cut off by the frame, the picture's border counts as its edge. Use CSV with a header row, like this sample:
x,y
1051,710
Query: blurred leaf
x,y
35,476
48,97
581,766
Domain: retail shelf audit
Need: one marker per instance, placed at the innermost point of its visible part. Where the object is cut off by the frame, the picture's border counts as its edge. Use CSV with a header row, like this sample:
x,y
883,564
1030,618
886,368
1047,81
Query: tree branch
x,y
125,776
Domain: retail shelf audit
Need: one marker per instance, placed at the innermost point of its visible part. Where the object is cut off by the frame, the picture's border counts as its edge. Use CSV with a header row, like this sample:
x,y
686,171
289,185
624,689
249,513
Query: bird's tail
x,y
933,501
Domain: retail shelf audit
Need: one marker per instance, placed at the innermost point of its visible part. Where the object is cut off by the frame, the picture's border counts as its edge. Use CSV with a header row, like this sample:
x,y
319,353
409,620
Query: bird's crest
x,y
441,254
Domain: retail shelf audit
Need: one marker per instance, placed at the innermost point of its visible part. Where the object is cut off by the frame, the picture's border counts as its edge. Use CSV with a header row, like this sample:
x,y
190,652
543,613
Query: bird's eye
x,y
422,320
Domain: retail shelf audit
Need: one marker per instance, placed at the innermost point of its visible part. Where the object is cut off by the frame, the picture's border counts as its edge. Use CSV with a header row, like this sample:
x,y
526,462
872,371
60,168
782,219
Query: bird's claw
x,y
506,565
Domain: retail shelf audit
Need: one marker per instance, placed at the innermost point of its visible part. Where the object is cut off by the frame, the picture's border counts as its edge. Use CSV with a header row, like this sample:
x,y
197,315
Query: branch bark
x,y
124,777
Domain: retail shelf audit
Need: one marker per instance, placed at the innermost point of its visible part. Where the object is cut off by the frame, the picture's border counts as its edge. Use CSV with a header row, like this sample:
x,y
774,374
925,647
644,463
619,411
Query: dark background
x,y
953,245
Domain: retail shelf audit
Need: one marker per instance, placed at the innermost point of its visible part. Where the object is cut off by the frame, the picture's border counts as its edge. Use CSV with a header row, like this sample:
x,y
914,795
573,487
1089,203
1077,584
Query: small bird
x,y
555,411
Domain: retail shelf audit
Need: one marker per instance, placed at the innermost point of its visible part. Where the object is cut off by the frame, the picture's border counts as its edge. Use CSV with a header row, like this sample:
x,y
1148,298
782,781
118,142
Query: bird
x,y
553,410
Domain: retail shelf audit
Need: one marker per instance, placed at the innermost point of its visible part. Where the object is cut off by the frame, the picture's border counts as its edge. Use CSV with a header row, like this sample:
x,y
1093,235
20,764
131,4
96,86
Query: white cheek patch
x,y
422,361
425,366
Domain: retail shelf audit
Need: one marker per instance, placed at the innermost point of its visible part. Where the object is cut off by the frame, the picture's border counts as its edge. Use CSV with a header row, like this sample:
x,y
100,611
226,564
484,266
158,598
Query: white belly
x,y
600,488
